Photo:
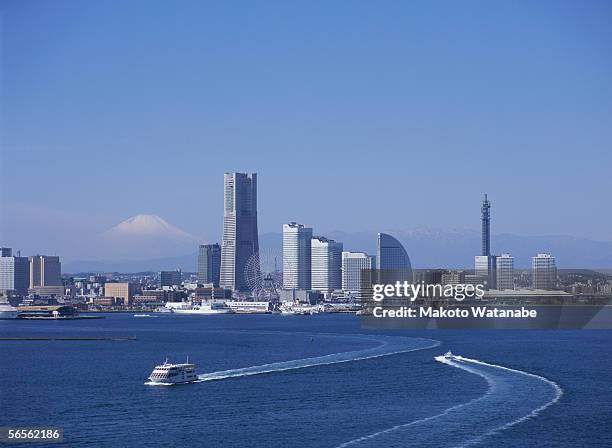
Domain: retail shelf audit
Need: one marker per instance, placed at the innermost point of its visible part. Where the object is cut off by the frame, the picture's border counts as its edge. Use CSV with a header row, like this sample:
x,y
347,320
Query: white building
x,y
14,273
326,264
543,271
296,256
353,263
484,267
505,271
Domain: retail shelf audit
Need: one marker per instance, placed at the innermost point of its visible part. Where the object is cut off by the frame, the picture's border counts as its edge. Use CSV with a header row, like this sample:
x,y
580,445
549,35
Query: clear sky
x,y
357,115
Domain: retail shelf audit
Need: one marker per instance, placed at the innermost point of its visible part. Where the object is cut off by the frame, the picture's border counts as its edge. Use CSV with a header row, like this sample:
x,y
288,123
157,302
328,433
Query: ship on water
x,y
7,311
167,374
203,308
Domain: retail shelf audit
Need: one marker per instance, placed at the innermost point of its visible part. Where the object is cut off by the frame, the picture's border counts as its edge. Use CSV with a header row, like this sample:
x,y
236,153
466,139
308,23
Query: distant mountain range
x,y
427,248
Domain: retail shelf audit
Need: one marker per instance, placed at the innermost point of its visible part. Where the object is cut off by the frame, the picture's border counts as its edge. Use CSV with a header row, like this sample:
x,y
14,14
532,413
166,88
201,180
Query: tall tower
x,y
240,237
485,212
296,256
326,264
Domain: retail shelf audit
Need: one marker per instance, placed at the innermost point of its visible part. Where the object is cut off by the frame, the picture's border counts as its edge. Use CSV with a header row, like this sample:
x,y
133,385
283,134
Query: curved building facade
x,y
392,260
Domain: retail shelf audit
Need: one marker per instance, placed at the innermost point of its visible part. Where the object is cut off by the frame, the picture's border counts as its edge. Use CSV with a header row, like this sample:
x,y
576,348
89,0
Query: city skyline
x,y
114,122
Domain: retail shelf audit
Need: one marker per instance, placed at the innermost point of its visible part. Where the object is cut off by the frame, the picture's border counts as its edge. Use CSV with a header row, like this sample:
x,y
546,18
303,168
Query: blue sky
x,y
356,115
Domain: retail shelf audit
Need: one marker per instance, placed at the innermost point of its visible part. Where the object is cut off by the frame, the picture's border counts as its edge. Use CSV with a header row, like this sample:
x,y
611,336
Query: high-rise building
x,y
170,278
240,237
14,273
392,260
296,256
356,267
485,270
209,264
505,271
45,270
485,212
326,264
543,271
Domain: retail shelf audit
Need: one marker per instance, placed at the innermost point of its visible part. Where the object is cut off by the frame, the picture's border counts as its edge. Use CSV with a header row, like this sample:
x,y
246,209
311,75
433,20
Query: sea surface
x,y
307,381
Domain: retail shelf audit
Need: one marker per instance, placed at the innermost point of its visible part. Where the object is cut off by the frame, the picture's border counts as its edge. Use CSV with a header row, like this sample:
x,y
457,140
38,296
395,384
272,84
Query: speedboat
x,y
167,374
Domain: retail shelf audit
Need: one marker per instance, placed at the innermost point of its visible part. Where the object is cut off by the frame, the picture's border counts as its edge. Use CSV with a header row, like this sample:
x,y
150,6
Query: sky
x,y
356,115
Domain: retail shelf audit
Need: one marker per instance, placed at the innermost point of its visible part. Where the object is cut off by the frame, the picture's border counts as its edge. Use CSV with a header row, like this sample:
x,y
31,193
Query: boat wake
x,y
512,397
388,345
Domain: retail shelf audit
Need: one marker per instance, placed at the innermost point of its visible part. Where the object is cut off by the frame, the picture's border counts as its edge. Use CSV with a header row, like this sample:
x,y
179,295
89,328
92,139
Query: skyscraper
x,y
392,260
326,264
296,256
543,271
209,264
14,273
353,263
240,238
485,213
504,268
45,270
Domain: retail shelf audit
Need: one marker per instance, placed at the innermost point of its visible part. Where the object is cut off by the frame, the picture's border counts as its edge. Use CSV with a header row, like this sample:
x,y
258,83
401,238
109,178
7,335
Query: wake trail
x,y
387,345
512,397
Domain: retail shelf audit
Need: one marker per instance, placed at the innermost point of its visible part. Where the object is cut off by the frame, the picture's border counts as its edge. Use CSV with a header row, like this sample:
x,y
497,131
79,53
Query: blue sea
x,y
308,381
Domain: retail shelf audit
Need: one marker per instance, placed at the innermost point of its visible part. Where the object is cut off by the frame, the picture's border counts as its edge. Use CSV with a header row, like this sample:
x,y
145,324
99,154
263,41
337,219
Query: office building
x,y
356,269
326,264
170,278
123,291
209,264
14,273
240,237
392,260
485,268
45,270
296,256
505,272
543,271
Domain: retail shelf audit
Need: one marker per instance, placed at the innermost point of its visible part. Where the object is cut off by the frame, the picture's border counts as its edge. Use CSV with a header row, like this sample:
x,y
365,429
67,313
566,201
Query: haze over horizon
x,y
400,118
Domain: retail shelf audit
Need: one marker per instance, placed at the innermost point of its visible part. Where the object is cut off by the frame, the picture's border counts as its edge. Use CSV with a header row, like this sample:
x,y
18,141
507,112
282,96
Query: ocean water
x,y
312,381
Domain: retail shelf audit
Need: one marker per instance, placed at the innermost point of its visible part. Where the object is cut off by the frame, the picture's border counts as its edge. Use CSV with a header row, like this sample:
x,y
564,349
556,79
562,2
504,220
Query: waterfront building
x,y
14,273
296,256
209,264
45,270
326,264
356,267
240,237
392,260
123,291
543,271
505,271
170,278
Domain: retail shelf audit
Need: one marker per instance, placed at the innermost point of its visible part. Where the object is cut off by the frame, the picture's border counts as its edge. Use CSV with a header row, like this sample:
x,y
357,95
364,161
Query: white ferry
x,y
7,311
168,374
204,308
